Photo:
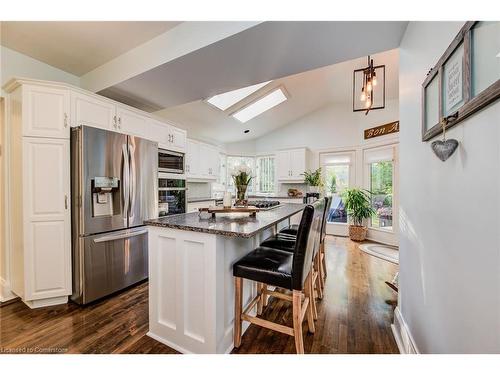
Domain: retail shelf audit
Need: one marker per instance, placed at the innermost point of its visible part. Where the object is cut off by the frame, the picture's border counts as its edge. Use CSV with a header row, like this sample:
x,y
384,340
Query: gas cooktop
x,y
263,204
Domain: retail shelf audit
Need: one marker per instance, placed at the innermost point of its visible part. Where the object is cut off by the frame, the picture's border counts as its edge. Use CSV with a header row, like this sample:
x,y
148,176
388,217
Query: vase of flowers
x,y
241,178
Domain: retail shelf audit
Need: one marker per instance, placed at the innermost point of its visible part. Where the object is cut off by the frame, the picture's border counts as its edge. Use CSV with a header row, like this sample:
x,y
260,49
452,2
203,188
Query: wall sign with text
x,y
464,80
377,131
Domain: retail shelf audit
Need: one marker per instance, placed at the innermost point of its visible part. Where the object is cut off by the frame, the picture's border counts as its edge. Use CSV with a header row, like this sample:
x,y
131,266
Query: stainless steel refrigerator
x,y
114,182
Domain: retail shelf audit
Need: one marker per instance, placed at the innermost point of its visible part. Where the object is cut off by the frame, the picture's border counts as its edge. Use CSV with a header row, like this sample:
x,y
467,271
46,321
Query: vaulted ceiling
x,y
308,91
171,67
78,47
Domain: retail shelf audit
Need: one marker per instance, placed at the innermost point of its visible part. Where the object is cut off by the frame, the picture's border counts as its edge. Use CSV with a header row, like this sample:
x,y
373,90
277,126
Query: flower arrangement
x,y
241,176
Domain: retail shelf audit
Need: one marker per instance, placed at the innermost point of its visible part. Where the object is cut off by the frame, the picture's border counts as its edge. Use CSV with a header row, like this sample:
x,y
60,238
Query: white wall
x,y
329,127
15,64
240,148
449,238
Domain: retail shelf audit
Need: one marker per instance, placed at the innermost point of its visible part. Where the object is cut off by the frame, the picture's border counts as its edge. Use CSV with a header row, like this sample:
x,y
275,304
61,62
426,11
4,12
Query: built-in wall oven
x,y
170,161
171,195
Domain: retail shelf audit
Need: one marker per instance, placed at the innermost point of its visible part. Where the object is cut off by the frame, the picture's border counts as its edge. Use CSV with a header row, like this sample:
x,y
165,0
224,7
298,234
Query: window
x,y
228,99
261,105
265,174
336,168
234,161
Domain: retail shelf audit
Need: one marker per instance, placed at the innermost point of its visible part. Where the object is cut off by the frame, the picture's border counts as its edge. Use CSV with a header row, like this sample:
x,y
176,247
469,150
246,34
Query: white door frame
x,y
389,237
341,229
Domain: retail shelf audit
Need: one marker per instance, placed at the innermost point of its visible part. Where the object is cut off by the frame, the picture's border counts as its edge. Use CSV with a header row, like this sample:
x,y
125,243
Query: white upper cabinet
x,y
159,132
298,163
192,159
91,111
283,165
202,161
46,112
178,139
291,164
132,122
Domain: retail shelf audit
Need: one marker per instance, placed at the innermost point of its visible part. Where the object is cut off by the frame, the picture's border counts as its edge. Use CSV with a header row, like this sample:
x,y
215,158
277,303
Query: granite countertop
x,y
232,225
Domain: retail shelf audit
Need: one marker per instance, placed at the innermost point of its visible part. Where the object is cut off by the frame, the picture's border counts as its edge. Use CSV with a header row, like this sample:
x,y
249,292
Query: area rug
x,y
387,253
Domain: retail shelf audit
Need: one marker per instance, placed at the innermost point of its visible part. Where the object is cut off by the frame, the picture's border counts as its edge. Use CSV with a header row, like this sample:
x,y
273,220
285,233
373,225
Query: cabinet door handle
x,y
114,121
120,122
65,120
65,201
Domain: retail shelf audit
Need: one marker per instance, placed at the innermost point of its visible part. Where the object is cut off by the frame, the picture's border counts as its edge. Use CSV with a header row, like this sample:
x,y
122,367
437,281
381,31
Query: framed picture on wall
x,y
464,80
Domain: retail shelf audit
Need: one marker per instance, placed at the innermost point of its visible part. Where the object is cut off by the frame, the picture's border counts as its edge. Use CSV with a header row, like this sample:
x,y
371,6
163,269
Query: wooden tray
x,y
252,210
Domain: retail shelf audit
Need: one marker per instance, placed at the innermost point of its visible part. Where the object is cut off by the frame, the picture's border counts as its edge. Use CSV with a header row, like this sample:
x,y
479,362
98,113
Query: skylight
x,y
263,104
227,99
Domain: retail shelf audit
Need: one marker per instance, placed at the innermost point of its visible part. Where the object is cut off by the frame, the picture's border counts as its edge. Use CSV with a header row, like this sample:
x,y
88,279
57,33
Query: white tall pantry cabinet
x,y
39,185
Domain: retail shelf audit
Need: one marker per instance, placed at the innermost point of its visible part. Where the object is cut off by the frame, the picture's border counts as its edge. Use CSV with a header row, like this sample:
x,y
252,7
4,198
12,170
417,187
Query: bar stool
x,y
282,269
284,240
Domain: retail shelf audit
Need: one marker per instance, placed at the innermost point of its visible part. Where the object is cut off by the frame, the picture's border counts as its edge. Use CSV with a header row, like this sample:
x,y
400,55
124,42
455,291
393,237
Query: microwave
x,y
170,161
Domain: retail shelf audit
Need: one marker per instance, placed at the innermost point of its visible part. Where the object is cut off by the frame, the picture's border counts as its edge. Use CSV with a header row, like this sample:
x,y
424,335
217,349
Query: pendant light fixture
x,y
369,80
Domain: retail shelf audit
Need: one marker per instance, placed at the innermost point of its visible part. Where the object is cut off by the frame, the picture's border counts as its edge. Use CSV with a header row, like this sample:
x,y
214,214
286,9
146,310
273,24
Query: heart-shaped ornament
x,y
444,149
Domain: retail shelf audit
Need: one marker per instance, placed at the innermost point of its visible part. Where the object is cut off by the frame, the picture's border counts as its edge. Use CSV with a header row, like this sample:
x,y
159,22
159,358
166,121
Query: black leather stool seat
x,y
291,229
266,265
280,241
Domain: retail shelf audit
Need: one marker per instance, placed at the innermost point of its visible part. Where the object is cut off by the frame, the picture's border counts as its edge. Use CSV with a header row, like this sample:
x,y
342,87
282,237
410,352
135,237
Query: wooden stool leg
x,y
260,303
265,299
320,280
309,294
323,259
238,300
313,298
297,322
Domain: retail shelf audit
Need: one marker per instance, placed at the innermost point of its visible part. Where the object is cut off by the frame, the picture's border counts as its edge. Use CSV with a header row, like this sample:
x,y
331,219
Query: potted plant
x,y
314,180
333,185
241,177
359,207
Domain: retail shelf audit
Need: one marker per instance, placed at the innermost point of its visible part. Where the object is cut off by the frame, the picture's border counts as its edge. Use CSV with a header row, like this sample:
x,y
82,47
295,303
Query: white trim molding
x,y
402,334
5,291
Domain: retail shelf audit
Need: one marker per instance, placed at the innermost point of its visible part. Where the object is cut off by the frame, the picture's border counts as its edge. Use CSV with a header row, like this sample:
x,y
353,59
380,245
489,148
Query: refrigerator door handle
x,y
126,180
133,176
120,236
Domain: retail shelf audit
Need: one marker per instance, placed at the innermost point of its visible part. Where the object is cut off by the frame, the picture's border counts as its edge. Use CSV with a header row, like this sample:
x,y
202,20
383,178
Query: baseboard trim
x,y
5,291
402,335
45,302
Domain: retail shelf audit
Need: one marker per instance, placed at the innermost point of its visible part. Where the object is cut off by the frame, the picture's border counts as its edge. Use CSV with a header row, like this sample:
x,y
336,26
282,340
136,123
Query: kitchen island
x,y
191,291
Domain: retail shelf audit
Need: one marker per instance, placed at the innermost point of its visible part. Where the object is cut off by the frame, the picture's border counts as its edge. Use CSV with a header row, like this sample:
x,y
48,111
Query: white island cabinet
x,y
191,287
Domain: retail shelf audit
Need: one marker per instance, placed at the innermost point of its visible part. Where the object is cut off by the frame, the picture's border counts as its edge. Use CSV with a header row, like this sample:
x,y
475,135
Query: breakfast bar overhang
x,y
191,289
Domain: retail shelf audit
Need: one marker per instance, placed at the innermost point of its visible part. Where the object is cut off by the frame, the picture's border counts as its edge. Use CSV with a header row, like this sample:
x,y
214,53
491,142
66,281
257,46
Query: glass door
x,y
381,186
381,178
338,174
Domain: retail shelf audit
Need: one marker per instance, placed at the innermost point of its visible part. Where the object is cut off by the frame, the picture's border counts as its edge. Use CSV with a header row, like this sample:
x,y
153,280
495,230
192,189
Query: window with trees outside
x,y
381,186
265,174
234,161
337,174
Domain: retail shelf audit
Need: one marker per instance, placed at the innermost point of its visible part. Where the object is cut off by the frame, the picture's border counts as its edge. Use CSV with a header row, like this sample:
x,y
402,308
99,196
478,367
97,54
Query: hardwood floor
x,y
354,317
